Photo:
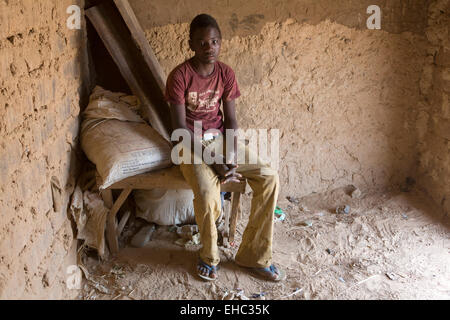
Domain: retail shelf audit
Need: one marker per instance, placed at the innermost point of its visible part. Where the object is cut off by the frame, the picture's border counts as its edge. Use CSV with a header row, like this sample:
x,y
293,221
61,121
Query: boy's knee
x,y
270,177
208,197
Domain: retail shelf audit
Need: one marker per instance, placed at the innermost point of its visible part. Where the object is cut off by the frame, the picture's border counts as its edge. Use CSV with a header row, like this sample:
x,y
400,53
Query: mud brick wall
x,y
41,67
434,117
344,97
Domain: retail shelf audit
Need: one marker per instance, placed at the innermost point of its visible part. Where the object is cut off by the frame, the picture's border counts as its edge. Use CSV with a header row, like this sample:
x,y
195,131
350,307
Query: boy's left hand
x,y
231,175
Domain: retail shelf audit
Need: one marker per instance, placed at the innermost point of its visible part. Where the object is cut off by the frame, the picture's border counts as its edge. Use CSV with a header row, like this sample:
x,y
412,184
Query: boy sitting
x,y
195,90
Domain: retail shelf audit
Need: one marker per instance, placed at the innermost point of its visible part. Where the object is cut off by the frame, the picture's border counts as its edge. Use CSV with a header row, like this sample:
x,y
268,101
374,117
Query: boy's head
x,y
205,38
203,21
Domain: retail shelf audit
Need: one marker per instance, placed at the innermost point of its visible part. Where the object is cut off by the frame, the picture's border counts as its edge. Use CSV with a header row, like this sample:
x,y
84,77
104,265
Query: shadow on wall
x,y
105,71
238,18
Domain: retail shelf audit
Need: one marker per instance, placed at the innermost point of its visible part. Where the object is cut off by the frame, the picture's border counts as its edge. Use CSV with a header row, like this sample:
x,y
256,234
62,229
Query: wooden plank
x,y
138,34
169,178
115,35
234,187
111,227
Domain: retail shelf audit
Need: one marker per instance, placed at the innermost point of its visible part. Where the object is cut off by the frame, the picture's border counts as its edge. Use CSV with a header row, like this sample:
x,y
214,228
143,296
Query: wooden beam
x,y
139,36
114,33
123,222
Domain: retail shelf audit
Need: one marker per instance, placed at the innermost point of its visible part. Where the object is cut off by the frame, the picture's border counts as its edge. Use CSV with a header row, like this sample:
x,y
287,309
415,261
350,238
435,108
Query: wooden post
x,y
235,211
139,36
107,197
111,223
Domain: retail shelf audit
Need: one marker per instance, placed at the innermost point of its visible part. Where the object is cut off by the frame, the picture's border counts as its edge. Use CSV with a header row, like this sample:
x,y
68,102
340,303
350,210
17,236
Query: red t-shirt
x,y
202,96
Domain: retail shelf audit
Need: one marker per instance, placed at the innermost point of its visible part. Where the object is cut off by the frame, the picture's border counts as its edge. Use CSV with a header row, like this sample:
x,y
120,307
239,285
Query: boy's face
x,y
206,43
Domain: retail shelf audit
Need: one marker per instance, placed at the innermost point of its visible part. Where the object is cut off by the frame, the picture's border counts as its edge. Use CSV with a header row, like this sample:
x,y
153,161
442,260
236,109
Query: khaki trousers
x,y
256,246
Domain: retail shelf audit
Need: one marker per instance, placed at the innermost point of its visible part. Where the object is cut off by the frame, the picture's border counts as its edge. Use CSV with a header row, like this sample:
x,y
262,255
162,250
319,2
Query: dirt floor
x,y
390,246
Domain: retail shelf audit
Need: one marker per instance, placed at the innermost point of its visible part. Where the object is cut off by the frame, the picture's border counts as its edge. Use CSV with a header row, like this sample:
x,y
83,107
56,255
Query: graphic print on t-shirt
x,y
203,102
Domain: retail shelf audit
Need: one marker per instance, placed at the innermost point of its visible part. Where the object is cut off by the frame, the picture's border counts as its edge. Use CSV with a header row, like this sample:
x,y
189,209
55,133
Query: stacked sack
x,y
118,141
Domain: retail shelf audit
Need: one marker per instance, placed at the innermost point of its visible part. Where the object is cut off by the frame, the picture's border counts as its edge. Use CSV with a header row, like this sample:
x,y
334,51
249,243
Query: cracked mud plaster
x,y
40,91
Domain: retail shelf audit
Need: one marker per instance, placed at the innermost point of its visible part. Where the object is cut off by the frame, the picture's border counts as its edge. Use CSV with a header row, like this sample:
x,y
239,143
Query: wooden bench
x,y
170,178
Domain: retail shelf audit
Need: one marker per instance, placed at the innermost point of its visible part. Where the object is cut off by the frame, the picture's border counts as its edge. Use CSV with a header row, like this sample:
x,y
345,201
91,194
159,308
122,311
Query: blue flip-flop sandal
x,y
267,273
209,268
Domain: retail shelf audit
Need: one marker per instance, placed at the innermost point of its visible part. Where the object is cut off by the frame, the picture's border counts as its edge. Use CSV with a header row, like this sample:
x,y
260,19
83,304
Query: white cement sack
x,y
118,141
165,207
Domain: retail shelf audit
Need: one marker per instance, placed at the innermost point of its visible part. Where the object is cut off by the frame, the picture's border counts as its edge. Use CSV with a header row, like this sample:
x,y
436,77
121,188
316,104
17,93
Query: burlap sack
x,y
118,141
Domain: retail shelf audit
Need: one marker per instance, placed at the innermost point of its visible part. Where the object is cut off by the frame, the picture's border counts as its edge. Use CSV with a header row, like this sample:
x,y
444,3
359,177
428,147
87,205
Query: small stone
x,y
292,200
356,193
143,236
304,208
343,209
391,275
307,223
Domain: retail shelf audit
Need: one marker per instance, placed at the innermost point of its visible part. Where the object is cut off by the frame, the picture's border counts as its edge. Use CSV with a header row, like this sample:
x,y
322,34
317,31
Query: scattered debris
x,y
391,275
362,281
293,200
118,271
189,235
237,294
318,271
304,208
307,223
195,240
296,291
279,214
144,235
356,193
343,209
187,231
371,277
341,279
259,296
404,216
